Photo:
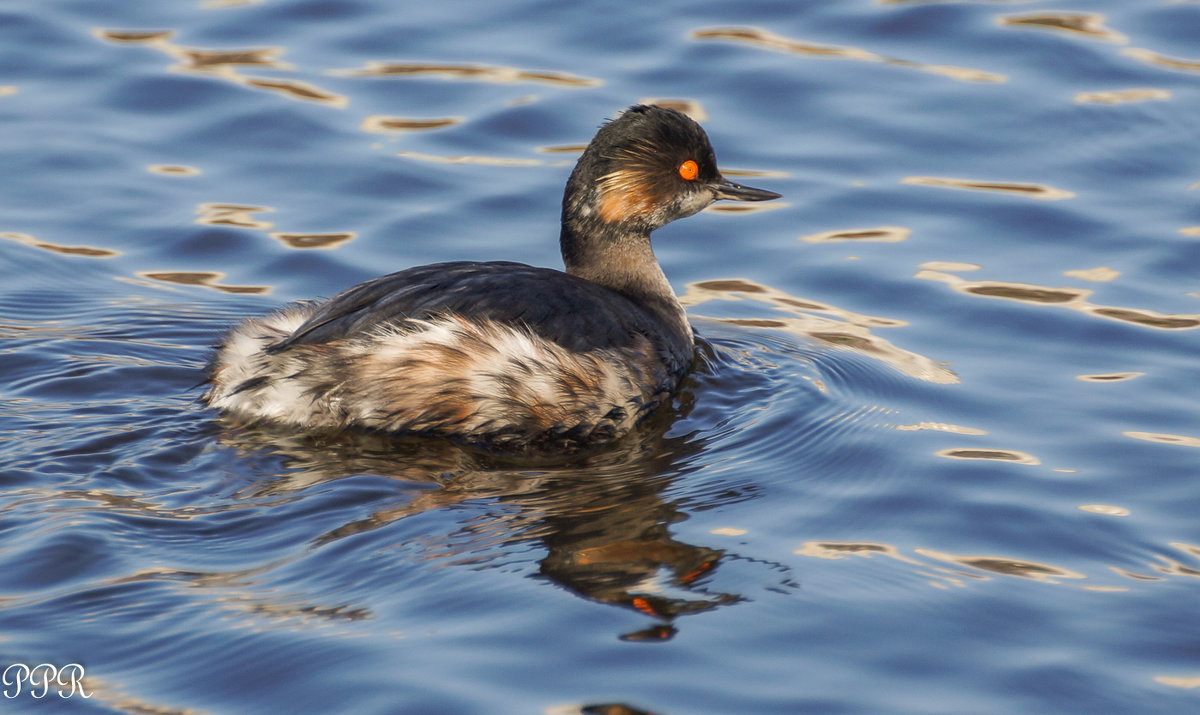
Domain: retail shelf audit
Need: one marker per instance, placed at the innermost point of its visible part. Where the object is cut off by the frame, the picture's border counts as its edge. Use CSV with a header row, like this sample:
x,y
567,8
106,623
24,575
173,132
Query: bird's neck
x,y
621,259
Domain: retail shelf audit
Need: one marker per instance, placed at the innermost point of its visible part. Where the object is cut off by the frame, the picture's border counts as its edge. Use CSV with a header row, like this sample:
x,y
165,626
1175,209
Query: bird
x,y
500,355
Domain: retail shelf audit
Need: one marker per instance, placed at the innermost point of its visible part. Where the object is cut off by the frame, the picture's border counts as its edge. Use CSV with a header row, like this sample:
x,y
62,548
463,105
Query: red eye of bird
x,y
689,170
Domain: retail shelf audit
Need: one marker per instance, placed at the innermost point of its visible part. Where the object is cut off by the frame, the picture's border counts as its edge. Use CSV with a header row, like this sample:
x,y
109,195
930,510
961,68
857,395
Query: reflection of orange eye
x,y
689,170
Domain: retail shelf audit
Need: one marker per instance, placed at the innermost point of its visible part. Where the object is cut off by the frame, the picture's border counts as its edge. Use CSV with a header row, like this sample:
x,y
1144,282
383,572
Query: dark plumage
x,y
501,353
497,290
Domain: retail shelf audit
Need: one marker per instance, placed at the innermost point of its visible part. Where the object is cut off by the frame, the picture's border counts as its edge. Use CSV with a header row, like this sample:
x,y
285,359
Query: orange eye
x,y
689,170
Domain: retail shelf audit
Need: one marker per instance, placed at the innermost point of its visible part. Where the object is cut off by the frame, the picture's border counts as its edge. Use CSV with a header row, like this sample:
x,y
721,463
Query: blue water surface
x,y
939,453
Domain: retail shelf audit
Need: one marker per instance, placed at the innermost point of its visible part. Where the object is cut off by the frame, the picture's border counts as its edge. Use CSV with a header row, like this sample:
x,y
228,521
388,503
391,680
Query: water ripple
x,y
1073,298
764,39
223,64
866,475
1090,25
476,73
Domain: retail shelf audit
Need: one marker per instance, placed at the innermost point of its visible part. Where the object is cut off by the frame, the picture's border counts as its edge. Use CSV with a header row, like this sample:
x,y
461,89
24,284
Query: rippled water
x,y
940,452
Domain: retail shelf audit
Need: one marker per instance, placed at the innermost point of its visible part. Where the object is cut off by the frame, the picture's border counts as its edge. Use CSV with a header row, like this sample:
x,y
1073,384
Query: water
x,y
939,454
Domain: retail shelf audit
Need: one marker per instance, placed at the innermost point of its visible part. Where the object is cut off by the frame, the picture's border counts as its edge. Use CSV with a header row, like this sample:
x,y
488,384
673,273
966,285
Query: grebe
x,y
501,354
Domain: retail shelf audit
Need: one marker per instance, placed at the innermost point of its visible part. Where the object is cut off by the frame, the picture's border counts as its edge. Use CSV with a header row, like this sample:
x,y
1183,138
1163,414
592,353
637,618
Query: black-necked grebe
x,y
503,354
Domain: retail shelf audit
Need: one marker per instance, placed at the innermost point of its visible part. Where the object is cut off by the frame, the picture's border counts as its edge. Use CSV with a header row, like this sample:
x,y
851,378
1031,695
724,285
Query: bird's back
x,y
499,353
574,313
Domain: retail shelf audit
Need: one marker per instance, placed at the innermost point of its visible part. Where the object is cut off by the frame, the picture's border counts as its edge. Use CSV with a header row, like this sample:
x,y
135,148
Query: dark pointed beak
x,y
726,189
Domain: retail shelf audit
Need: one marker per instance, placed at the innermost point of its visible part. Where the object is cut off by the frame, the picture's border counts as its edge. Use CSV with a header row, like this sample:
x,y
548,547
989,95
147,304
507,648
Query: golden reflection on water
x,y
239,215
998,455
1073,298
932,563
523,99
1124,96
173,170
878,234
1174,439
1149,318
940,427
1178,682
1087,24
564,149
844,329
1110,377
116,698
1133,575
1002,566
764,39
87,251
7,90
1151,57
132,35
199,59
1172,567
950,266
383,124
1099,274
473,72
296,90
964,567
223,64
313,240
728,531
202,279
1106,509
742,207
242,216
1033,191
836,550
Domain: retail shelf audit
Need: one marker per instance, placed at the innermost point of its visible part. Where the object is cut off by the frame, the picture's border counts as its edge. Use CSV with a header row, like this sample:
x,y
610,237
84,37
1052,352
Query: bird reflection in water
x,y
603,518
